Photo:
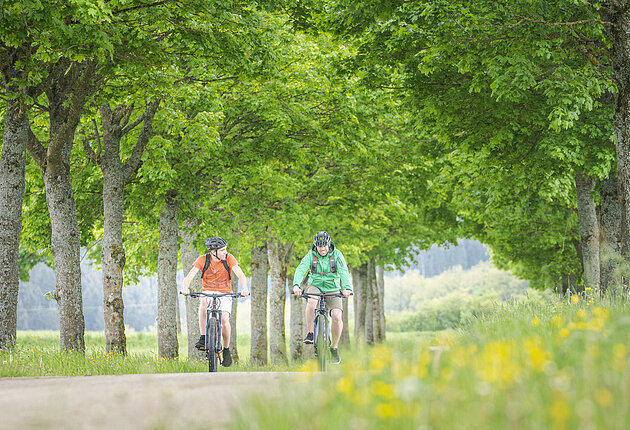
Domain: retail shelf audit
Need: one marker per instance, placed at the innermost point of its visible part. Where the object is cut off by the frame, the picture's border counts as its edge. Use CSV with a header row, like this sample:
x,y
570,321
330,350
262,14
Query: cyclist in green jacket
x,y
328,272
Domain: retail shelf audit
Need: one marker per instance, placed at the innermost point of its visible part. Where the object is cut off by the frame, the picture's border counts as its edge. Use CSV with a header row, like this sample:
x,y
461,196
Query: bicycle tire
x,y
212,330
321,341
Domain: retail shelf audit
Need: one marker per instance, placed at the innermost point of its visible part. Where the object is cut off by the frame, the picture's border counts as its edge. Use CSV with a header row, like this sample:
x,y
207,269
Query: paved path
x,y
120,402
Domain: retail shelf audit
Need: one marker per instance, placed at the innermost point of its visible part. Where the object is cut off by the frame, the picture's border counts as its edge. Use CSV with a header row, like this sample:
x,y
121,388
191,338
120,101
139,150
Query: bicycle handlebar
x,y
215,295
335,294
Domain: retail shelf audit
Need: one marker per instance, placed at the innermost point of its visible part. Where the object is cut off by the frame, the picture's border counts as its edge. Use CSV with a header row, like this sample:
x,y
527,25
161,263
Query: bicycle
x,y
213,345
321,332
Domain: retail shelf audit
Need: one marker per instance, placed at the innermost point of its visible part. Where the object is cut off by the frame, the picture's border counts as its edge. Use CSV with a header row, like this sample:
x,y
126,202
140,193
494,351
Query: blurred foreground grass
x,y
543,363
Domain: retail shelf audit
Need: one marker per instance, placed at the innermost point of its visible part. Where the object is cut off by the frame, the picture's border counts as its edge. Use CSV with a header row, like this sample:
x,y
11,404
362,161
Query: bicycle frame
x,y
213,345
321,334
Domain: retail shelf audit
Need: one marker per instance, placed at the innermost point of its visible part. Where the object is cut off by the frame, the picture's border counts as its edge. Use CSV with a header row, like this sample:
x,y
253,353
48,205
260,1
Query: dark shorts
x,y
331,302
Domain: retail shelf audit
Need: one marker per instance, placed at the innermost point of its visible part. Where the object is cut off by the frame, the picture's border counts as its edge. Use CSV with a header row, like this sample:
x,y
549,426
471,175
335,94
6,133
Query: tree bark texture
x,y
298,328
234,333
589,229
279,257
344,340
116,174
12,173
370,280
189,255
259,296
616,13
12,179
66,89
610,234
359,276
167,281
380,286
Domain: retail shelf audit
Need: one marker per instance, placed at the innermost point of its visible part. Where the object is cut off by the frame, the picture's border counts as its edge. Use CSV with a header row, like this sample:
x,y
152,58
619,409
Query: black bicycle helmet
x,y
215,242
321,238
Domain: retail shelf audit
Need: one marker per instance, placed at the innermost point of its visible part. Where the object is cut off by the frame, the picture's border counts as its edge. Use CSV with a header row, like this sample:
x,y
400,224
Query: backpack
x,y
207,264
333,266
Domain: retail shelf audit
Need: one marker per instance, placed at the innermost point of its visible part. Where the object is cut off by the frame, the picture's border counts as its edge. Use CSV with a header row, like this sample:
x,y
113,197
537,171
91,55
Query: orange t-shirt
x,y
216,277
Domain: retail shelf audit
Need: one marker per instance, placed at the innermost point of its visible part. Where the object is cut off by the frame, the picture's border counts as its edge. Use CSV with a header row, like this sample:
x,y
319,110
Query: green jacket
x,y
326,282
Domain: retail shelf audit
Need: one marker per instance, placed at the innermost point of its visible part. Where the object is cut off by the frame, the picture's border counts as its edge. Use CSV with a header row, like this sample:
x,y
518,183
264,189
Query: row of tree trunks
x,y
259,291
167,281
369,310
600,245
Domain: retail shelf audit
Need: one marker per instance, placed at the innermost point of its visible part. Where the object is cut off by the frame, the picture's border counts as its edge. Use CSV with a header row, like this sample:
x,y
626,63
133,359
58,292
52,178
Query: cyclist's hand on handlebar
x,y
297,291
346,293
186,291
244,292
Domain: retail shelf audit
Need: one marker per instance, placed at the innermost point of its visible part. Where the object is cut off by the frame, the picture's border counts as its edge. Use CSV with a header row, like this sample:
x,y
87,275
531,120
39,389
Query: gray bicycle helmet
x,y
215,242
321,238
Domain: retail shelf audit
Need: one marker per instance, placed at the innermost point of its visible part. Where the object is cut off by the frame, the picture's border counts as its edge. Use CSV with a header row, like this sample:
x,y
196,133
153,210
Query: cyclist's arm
x,y
301,270
241,279
344,274
188,279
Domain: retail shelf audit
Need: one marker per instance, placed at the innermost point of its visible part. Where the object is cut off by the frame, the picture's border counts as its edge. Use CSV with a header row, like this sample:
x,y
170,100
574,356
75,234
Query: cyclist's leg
x,y
226,329
203,305
309,313
335,306
336,327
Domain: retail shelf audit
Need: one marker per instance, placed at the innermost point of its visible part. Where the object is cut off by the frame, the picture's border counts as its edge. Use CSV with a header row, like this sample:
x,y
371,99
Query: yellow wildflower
x,y
536,321
575,299
383,390
389,410
345,385
603,397
559,410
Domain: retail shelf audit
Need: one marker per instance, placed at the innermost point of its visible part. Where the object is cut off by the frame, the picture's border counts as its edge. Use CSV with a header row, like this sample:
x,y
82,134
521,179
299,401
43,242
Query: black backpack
x,y
207,264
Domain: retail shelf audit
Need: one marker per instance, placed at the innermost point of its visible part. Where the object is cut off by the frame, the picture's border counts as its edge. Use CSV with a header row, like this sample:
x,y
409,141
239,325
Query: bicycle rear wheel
x,y
321,341
212,331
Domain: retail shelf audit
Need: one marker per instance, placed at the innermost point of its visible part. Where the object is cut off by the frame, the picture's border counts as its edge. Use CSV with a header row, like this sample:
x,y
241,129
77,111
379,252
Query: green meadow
x,y
538,363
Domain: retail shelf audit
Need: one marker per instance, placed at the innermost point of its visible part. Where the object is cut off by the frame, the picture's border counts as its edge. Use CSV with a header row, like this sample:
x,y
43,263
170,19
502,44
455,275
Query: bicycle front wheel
x,y
321,341
212,332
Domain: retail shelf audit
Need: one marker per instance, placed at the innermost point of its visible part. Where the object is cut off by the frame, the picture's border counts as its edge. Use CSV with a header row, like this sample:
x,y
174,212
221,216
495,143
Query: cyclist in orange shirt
x,y
216,268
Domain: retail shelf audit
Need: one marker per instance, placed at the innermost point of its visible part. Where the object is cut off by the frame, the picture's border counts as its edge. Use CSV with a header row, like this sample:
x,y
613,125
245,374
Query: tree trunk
x,y
12,173
66,247
66,89
298,328
189,255
380,285
115,176
359,276
344,340
234,333
617,16
610,233
589,229
278,254
113,255
370,280
260,270
167,279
